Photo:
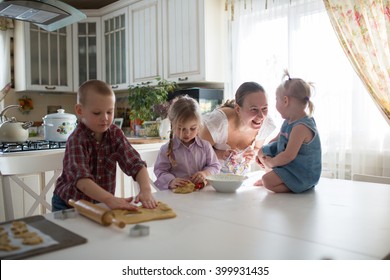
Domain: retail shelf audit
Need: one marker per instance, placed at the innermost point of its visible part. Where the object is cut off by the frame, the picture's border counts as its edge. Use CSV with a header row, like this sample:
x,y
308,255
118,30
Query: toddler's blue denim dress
x,y
304,171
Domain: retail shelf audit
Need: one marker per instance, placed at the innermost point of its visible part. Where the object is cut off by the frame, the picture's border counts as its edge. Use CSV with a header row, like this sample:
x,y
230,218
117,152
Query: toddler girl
x,y
294,157
186,157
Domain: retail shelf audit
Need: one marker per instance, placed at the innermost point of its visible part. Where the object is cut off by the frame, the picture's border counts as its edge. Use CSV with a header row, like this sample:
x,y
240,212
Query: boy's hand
x,y
147,200
120,203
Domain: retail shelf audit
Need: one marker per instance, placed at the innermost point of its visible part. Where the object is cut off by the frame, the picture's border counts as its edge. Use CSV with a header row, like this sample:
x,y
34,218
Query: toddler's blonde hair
x,y
299,89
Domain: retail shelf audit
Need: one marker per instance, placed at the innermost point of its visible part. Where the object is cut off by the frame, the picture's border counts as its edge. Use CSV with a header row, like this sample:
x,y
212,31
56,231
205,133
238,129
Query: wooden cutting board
x,y
163,211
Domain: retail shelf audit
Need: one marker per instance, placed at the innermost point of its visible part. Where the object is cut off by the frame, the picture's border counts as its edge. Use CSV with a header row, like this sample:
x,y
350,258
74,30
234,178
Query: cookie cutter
x,y
65,214
139,230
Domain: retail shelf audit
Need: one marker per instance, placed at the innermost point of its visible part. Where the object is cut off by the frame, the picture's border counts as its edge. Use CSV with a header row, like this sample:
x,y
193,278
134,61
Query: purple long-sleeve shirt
x,y
197,157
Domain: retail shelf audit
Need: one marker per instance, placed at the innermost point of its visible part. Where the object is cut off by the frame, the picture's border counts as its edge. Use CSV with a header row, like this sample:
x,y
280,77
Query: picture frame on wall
x,y
118,122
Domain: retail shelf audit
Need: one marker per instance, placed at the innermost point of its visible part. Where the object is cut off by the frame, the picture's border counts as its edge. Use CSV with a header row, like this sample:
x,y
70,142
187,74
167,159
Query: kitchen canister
x,y
58,126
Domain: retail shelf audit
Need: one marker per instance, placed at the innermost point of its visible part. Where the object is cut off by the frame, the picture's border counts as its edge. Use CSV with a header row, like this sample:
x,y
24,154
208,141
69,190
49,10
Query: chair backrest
x,y
371,178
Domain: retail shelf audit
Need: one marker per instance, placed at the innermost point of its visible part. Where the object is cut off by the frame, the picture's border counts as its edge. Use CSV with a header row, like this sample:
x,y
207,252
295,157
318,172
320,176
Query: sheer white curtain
x,y
299,37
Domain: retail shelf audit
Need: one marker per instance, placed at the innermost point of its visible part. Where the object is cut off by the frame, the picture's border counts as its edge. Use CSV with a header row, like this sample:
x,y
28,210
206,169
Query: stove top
x,y
12,147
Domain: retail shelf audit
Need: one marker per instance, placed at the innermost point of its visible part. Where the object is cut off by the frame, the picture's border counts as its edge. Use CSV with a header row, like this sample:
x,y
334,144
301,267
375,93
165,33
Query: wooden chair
x,y
26,164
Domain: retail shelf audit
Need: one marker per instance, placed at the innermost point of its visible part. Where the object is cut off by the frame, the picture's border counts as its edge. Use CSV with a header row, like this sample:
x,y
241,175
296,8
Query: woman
x,y
238,128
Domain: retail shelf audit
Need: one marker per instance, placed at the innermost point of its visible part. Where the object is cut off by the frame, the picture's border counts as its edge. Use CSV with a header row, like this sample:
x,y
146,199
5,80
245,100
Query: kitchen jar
x,y
58,126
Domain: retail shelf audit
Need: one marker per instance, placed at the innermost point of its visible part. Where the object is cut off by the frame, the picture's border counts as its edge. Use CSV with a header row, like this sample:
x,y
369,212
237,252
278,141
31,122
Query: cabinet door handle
x,y
49,88
115,86
183,79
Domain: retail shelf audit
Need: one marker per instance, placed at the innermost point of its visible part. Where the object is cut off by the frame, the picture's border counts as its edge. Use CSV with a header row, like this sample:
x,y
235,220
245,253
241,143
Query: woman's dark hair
x,y
241,93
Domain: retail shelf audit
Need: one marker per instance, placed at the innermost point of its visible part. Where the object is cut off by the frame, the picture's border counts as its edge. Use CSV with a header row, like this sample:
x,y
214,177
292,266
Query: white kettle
x,y
11,130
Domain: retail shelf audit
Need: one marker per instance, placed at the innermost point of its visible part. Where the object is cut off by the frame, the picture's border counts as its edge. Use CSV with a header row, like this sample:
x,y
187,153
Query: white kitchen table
x,y
339,220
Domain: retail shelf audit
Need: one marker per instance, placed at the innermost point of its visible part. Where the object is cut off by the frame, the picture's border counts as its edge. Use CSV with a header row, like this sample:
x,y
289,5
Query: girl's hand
x,y
177,182
258,161
260,153
199,177
120,203
267,162
147,200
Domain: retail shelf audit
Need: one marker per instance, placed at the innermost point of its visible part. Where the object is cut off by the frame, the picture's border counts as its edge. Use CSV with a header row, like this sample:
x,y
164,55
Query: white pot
x,y
58,126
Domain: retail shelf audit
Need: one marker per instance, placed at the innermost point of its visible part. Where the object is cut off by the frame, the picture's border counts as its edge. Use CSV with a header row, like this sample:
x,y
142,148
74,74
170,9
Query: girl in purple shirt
x,y
186,157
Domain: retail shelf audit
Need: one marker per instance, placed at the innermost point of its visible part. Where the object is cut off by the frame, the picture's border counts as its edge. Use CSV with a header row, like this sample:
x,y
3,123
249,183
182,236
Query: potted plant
x,y
143,99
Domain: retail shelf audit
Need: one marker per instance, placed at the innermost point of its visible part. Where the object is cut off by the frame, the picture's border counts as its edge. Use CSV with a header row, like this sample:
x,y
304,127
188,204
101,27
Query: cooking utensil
x,y
139,230
12,130
58,126
96,213
3,118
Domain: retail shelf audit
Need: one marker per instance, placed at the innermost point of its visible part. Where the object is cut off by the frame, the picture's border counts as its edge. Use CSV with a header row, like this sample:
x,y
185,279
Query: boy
x,y
93,150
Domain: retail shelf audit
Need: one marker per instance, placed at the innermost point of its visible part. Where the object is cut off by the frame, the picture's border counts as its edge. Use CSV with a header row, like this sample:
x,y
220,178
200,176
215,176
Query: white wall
x,y
40,101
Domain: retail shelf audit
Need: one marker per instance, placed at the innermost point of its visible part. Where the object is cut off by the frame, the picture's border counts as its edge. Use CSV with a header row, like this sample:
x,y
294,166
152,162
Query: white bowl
x,y
226,183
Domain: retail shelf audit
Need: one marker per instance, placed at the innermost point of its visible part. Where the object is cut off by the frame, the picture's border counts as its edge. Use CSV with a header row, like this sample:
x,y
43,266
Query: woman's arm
x,y
205,134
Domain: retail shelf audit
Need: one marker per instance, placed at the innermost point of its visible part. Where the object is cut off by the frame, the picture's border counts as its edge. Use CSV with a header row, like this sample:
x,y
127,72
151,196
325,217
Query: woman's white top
x,y
217,124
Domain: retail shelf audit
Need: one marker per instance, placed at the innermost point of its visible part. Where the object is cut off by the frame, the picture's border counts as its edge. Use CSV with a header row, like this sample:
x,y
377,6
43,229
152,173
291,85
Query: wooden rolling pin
x,y
96,213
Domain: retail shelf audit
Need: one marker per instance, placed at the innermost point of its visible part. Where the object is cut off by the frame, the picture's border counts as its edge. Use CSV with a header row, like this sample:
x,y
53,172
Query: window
x,y
299,37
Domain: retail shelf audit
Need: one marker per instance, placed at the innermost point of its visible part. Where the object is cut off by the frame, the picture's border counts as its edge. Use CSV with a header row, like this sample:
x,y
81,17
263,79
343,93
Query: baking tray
x,y
64,237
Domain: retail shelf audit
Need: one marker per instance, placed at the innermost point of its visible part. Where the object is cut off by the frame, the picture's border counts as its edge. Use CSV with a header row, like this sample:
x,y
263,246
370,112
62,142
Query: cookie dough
x,y
163,211
187,188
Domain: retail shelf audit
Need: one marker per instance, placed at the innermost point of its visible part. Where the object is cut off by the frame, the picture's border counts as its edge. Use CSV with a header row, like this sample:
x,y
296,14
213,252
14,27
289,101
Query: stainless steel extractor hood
x,y
47,14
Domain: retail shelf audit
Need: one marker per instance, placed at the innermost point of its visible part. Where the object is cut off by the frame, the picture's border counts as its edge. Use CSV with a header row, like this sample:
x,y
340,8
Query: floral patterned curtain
x,y
363,29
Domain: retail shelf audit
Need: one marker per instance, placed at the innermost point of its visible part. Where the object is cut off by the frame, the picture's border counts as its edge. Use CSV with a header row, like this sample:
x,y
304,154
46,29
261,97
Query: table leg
x,y
7,197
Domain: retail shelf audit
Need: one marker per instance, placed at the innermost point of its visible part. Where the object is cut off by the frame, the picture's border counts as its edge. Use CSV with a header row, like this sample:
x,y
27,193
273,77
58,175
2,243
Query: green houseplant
x,y
145,97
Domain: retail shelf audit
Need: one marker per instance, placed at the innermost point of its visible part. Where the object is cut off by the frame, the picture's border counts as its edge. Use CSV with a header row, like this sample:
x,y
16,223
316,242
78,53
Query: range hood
x,y
47,14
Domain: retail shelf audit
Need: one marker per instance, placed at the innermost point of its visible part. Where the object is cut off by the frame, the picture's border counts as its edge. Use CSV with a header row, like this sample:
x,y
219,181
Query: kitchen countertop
x,y
145,140
41,160
339,219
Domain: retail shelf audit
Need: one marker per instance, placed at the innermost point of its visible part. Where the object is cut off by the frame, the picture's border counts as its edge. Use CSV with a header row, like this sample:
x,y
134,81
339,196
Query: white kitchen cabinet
x,y
42,59
87,51
115,46
145,41
194,40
